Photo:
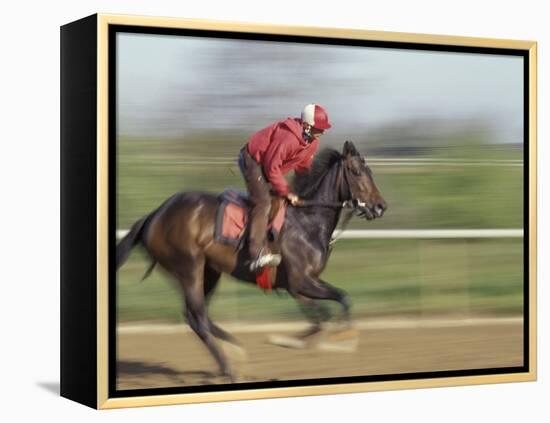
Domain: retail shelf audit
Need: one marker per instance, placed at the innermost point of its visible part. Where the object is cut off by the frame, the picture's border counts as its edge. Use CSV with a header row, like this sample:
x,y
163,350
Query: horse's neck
x,y
326,218
329,188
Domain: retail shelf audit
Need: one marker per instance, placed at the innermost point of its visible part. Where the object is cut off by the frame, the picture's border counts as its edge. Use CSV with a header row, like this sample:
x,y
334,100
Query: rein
x,y
331,204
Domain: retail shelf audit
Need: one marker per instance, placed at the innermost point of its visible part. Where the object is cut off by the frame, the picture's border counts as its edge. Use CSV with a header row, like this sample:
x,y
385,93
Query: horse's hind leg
x,y
192,282
211,280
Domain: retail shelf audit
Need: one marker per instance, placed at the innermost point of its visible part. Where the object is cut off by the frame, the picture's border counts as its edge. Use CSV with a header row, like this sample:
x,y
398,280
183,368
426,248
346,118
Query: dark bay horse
x,y
179,235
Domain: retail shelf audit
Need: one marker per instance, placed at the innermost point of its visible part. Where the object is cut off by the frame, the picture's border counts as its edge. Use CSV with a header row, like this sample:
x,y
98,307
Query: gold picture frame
x,y
86,181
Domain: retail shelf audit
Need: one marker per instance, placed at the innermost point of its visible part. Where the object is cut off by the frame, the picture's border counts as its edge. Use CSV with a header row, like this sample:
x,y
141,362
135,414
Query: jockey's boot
x,y
265,259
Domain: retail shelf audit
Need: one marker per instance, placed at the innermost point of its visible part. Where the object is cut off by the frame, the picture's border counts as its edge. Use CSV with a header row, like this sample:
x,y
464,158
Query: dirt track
x,y
153,360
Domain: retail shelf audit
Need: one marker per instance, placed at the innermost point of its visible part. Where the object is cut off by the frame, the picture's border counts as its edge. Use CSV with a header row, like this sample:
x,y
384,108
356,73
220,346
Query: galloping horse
x,y
179,235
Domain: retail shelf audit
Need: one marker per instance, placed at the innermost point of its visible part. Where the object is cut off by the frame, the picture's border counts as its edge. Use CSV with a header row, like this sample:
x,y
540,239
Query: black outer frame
x,y
79,211
79,137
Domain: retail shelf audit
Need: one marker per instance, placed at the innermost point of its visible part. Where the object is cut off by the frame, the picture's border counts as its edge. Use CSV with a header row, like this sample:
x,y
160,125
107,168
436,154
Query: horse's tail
x,y
149,270
134,237
130,240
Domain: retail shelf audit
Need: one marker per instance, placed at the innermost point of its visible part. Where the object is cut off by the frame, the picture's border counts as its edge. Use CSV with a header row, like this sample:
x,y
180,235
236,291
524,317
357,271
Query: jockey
x,y
269,154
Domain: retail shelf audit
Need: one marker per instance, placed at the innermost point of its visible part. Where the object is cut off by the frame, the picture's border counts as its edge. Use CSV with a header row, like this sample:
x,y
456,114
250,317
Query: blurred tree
x,y
244,84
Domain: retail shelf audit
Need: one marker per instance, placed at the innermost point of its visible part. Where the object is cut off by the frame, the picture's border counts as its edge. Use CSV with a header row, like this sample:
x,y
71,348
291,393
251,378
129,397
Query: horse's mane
x,y
305,184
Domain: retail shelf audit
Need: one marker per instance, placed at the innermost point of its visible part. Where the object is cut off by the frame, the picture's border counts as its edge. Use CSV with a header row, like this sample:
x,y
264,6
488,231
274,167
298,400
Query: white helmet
x,y
316,116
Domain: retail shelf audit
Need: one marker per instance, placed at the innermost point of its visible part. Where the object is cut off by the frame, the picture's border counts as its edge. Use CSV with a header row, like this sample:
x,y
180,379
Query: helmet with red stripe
x,y
316,116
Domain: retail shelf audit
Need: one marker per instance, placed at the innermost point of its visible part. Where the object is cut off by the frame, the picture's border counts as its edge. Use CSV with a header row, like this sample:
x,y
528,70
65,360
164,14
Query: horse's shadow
x,y
127,369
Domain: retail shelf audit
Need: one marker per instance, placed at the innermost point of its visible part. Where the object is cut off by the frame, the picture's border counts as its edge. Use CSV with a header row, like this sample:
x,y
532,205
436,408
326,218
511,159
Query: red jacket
x,y
280,148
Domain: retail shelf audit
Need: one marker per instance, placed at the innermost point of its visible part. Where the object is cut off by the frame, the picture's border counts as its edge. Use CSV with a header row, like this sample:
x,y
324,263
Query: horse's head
x,y
367,200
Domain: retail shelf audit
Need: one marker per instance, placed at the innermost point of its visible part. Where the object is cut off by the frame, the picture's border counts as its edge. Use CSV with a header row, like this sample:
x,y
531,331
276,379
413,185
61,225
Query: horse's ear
x,y
349,149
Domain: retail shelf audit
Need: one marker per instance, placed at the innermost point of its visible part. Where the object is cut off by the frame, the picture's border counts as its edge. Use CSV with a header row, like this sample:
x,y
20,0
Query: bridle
x,y
352,203
345,190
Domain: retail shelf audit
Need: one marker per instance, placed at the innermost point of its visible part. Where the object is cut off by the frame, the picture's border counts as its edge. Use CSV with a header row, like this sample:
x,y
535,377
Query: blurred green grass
x,y
382,277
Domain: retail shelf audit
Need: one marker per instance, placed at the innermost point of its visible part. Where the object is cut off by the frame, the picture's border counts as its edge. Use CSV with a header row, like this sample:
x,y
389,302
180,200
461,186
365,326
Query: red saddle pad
x,y
232,218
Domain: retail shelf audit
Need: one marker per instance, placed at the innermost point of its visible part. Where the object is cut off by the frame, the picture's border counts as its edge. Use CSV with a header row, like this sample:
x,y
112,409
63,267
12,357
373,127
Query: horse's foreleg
x,y
315,312
317,289
343,299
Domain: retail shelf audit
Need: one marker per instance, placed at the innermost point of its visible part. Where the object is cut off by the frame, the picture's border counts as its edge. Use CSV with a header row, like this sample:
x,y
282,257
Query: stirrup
x,y
265,260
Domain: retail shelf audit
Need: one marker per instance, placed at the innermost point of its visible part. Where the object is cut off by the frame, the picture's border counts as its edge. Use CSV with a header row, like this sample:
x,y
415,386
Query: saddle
x,y
232,224
232,218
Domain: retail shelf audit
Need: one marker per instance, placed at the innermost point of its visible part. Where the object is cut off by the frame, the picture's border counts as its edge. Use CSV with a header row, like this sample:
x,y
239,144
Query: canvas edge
x,y
103,22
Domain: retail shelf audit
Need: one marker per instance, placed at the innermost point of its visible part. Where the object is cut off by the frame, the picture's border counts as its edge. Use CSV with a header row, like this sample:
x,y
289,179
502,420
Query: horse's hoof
x,y
287,341
343,334
229,376
235,352
314,330
346,340
239,378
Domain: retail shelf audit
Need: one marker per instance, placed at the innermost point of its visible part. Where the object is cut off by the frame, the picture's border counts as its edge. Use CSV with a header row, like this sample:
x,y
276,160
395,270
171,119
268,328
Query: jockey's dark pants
x,y
260,198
